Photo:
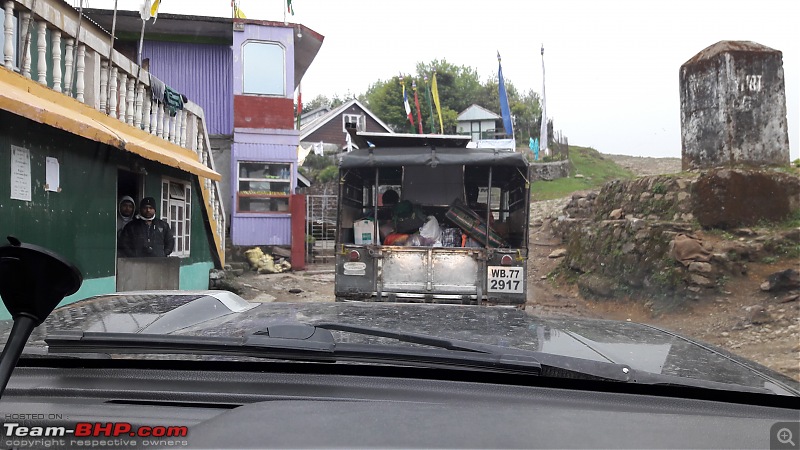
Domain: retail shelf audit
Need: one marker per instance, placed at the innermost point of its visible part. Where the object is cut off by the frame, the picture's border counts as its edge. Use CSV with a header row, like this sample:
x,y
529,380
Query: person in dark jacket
x,y
146,235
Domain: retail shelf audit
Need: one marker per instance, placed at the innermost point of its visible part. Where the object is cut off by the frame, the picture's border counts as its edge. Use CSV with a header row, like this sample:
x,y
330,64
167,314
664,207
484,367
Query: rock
x,y
577,175
628,247
559,253
744,232
215,274
781,281
295,291
263,298
725,334
730,198
759,316
790,298
636,224
701,267
595,285
239,265
236,272
282,252
700,280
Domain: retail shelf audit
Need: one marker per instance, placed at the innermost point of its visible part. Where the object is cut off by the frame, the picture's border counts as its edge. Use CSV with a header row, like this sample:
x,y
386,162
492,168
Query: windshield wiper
x,y
316,343
551,364
290,342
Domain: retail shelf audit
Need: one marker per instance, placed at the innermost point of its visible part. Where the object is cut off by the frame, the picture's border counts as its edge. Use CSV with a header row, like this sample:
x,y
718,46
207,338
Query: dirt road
x,y
742,319
739,317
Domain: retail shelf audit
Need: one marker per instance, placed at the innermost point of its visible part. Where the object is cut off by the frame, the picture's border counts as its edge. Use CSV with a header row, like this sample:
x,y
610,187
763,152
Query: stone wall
x,y
647,235
550,171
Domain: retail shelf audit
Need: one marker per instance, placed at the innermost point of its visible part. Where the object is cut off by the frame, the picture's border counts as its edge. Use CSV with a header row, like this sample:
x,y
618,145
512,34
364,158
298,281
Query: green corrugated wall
x,y
79,222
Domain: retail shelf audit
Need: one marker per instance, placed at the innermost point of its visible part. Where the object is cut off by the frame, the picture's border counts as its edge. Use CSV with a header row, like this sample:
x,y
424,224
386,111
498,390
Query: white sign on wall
x,y
20,173
52,175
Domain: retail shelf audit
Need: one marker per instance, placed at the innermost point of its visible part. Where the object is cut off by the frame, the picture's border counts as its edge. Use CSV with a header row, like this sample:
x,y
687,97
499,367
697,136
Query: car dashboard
x,y
290,405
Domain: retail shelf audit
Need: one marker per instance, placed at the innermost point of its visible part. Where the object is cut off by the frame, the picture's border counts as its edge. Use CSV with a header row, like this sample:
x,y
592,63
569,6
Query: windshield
x,y
612,181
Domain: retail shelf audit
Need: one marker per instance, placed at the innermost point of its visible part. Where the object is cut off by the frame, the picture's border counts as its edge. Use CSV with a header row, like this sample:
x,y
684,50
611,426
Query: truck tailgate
x,y
431,270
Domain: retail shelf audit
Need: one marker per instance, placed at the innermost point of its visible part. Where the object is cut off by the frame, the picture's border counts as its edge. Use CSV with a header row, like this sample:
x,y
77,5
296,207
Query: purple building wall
x,y
252,32
202,72
268,145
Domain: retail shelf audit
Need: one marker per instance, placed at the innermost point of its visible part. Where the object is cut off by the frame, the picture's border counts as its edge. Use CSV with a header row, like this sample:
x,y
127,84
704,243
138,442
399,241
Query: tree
x,y
459,87
385,99
322,101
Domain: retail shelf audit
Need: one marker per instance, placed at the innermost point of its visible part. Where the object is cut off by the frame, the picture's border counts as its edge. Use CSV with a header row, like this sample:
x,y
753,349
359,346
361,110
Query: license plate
x,y
505,279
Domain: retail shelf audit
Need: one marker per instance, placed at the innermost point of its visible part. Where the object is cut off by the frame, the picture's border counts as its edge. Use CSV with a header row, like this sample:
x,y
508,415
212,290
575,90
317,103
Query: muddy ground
x,y
761,326
739,317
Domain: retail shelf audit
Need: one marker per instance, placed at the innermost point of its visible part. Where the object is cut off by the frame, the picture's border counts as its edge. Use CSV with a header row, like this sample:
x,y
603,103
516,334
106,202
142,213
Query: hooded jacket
x,y
122,220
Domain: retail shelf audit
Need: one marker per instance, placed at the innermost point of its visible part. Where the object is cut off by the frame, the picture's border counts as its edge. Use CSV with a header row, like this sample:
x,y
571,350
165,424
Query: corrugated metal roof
x,y
31,100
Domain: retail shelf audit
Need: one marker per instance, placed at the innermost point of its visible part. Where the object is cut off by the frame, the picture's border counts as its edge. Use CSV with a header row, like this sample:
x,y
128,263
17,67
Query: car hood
x,y
222,314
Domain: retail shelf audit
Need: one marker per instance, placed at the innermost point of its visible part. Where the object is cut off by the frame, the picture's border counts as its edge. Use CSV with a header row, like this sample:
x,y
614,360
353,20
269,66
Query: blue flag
x,y
504,109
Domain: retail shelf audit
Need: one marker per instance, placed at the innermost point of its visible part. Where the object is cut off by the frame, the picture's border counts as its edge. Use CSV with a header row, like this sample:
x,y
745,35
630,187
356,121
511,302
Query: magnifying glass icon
x,y
784,436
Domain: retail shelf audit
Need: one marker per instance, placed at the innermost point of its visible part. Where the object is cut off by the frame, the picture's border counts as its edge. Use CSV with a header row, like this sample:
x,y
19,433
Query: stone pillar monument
x,y
733,107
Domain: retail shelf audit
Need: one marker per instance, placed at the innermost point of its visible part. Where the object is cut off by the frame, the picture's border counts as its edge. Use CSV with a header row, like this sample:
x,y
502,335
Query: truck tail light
x,y
506,260
354,255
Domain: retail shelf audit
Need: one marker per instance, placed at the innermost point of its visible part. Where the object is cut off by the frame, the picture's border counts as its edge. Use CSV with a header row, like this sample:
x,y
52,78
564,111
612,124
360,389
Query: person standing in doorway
x,y
146,235
125,211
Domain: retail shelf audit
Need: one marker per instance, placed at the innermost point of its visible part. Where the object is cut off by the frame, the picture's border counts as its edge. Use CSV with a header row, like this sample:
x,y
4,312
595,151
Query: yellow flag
x,y
154,8
237,12
435,92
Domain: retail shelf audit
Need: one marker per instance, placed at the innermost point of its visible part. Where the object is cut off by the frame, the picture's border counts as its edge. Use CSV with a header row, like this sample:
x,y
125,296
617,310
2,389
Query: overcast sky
x,y
611,66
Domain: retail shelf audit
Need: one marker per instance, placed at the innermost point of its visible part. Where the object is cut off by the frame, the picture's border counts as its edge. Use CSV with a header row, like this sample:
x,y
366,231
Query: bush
x,y
329,173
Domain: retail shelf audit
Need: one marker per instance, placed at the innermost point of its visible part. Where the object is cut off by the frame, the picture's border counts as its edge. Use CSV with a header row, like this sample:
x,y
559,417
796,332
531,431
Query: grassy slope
x,y
587,162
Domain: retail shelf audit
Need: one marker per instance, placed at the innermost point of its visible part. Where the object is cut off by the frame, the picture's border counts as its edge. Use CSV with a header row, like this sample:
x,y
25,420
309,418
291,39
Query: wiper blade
x,y
289,342
552,365
316,343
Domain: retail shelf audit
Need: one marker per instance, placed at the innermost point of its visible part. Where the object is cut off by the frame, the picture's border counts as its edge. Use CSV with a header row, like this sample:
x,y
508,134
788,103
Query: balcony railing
x,y
85,67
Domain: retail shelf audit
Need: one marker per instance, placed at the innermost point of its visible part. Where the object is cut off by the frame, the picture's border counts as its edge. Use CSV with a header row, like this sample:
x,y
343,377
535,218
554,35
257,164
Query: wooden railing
x,y
87,69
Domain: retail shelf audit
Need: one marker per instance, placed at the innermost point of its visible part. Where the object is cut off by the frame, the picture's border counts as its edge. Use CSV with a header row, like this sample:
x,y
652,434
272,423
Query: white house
x,y
478,122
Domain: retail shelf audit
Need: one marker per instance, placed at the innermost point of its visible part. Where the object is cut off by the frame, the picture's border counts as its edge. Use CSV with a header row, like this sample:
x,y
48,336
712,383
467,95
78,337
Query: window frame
x,y
275,198
282,68
361,122
182,233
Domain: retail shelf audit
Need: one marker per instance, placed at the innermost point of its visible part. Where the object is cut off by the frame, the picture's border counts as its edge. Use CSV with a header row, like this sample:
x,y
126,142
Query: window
x,y
354,121
264,68
176,209
264,187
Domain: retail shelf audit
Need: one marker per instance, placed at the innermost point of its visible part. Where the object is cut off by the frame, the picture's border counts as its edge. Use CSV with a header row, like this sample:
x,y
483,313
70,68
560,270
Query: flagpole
x,y
505,108
430,105
543,131
416,102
